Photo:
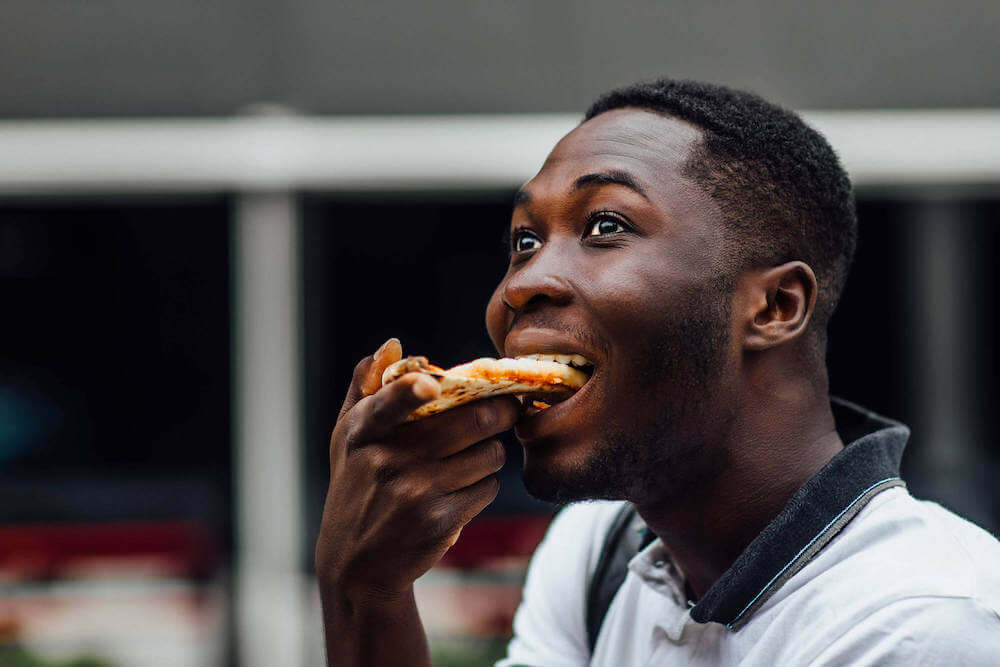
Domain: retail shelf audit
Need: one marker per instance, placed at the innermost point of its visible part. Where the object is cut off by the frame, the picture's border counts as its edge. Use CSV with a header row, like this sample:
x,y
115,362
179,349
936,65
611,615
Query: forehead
x,y
651,147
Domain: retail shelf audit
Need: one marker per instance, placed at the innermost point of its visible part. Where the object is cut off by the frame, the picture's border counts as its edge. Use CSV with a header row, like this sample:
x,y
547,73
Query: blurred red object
x,y
168,548
487,541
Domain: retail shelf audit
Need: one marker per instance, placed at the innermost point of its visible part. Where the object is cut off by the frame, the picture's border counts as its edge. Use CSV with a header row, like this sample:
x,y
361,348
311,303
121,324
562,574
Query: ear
x,y
780,303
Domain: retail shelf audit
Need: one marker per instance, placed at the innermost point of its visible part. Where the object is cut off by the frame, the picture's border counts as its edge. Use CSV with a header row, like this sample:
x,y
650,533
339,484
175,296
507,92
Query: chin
x,y
559,479
548,487
637,464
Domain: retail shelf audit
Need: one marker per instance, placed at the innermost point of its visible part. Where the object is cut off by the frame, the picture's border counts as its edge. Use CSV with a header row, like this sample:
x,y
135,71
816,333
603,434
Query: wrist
x,y
356,588
363,628
353,597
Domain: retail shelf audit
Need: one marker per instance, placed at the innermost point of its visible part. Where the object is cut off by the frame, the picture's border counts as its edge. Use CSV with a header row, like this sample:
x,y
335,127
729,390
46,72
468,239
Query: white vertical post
x,y
268,435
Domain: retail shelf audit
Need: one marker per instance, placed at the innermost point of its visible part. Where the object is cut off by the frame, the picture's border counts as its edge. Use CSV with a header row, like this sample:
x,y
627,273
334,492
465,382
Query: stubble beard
x,y
662,454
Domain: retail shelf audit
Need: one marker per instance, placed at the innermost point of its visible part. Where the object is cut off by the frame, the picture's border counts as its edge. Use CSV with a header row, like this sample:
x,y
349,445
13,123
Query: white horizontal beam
x,y
914,147
426,152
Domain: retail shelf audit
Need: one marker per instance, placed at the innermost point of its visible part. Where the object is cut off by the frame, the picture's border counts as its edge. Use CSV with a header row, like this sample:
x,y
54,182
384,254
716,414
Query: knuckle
x,y
421,487
379,406
439,518
396,393
384,406
488,490
495,455
386,471
361,368
403,494
430,486
379,465
368,460
412,490
512,412
486,417
492,487
350,429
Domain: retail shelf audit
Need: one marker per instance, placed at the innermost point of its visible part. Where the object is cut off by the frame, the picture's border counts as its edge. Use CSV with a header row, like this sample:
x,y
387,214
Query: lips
x,y
537,424
546,345
523,342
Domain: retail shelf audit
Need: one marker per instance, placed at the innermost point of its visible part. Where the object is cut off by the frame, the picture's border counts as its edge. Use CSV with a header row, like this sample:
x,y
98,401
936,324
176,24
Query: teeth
x,y
576,360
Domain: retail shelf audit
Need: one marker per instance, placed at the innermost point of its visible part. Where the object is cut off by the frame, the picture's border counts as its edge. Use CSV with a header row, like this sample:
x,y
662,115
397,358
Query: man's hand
x,y
399,496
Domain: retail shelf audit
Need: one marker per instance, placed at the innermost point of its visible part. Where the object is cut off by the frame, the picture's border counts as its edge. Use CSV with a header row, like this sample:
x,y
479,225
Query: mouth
x,y
535,403
548,414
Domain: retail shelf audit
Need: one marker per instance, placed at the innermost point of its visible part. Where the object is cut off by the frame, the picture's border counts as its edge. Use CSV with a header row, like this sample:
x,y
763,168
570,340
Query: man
x,y
691,241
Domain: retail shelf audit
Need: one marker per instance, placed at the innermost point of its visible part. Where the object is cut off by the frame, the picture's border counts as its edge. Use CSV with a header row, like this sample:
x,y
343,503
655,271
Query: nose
x,y
540,281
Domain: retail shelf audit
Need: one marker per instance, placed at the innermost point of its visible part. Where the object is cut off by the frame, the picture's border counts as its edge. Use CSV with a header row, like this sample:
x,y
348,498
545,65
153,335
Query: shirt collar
x,y
817,512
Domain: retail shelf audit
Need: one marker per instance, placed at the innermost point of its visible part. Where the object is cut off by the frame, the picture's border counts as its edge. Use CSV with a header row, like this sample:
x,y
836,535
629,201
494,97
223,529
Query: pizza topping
x,y
533,407
542,378
410,365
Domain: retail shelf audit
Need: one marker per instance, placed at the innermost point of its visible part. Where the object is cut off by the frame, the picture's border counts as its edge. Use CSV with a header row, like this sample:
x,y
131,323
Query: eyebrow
x,y
596,179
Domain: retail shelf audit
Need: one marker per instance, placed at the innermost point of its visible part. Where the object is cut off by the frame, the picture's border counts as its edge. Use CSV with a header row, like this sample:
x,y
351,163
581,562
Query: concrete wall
x,y
209,57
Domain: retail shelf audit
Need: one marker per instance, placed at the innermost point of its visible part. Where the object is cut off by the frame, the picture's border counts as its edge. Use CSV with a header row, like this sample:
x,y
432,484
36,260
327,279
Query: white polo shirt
x,y
854,571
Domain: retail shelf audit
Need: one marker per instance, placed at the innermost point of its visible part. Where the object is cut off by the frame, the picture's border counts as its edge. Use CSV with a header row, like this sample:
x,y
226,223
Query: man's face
x,y
617,256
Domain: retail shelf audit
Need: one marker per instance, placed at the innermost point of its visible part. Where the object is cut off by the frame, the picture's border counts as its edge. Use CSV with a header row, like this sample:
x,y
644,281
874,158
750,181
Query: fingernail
x,y
425,388
379,352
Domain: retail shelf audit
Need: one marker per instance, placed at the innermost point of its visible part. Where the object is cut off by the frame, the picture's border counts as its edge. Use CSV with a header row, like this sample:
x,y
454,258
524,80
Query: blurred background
x,y
208,208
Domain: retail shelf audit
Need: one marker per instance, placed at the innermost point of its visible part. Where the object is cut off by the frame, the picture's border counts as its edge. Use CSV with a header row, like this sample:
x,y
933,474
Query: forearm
x,y
363,631
397,500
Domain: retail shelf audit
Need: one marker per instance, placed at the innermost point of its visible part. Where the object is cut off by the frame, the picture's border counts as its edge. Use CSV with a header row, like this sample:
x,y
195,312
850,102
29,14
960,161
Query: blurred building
x,y
189,271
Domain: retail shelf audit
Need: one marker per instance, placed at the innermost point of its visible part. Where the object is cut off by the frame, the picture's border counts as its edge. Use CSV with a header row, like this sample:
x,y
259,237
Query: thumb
x,y
368,373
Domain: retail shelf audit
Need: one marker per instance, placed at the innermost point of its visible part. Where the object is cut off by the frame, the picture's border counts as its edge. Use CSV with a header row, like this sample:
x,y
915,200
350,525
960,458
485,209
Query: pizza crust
x,y
487,377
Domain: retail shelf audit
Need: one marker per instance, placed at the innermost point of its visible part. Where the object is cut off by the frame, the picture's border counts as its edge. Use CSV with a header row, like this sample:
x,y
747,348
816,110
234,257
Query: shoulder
x,y
583,526
899,547
904,578
970,550
910,548
922,629
568,554
549,627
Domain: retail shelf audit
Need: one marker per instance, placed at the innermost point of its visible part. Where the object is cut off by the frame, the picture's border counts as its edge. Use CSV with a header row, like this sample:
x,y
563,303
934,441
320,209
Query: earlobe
x,y
780,306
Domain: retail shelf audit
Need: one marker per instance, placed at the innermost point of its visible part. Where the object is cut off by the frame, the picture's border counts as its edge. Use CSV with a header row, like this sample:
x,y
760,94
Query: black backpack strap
x,y
624,540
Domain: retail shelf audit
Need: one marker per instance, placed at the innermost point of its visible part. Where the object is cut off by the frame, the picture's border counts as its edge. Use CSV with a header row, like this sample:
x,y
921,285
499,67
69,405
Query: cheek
x,y
496,319
638,294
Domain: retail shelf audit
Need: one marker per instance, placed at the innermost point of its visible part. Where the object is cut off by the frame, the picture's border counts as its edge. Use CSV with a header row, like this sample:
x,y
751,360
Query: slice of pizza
x,y
539,379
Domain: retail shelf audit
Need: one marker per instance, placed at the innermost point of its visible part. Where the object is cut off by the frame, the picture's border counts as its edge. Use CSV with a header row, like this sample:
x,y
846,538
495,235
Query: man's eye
x,y
525,242
604,225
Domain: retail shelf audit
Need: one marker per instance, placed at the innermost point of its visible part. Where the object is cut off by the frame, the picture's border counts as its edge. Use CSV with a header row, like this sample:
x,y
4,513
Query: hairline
x,y
700,153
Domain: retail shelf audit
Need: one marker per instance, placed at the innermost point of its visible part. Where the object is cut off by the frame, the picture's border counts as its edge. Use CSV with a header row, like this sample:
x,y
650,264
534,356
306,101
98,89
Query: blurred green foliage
x,y
15,656
467,652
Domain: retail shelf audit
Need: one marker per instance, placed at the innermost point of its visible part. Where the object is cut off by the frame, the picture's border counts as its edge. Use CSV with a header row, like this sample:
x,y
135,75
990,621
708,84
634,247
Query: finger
x,y
453,430
459,507
365,371
473,499
470,465
378,414
390,352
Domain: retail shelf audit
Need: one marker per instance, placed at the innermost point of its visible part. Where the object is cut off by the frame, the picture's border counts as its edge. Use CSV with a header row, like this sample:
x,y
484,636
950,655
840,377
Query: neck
x,y
782,433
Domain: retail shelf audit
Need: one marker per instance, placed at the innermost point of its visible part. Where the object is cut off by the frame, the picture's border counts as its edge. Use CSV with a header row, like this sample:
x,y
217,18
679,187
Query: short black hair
x,y
778,182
